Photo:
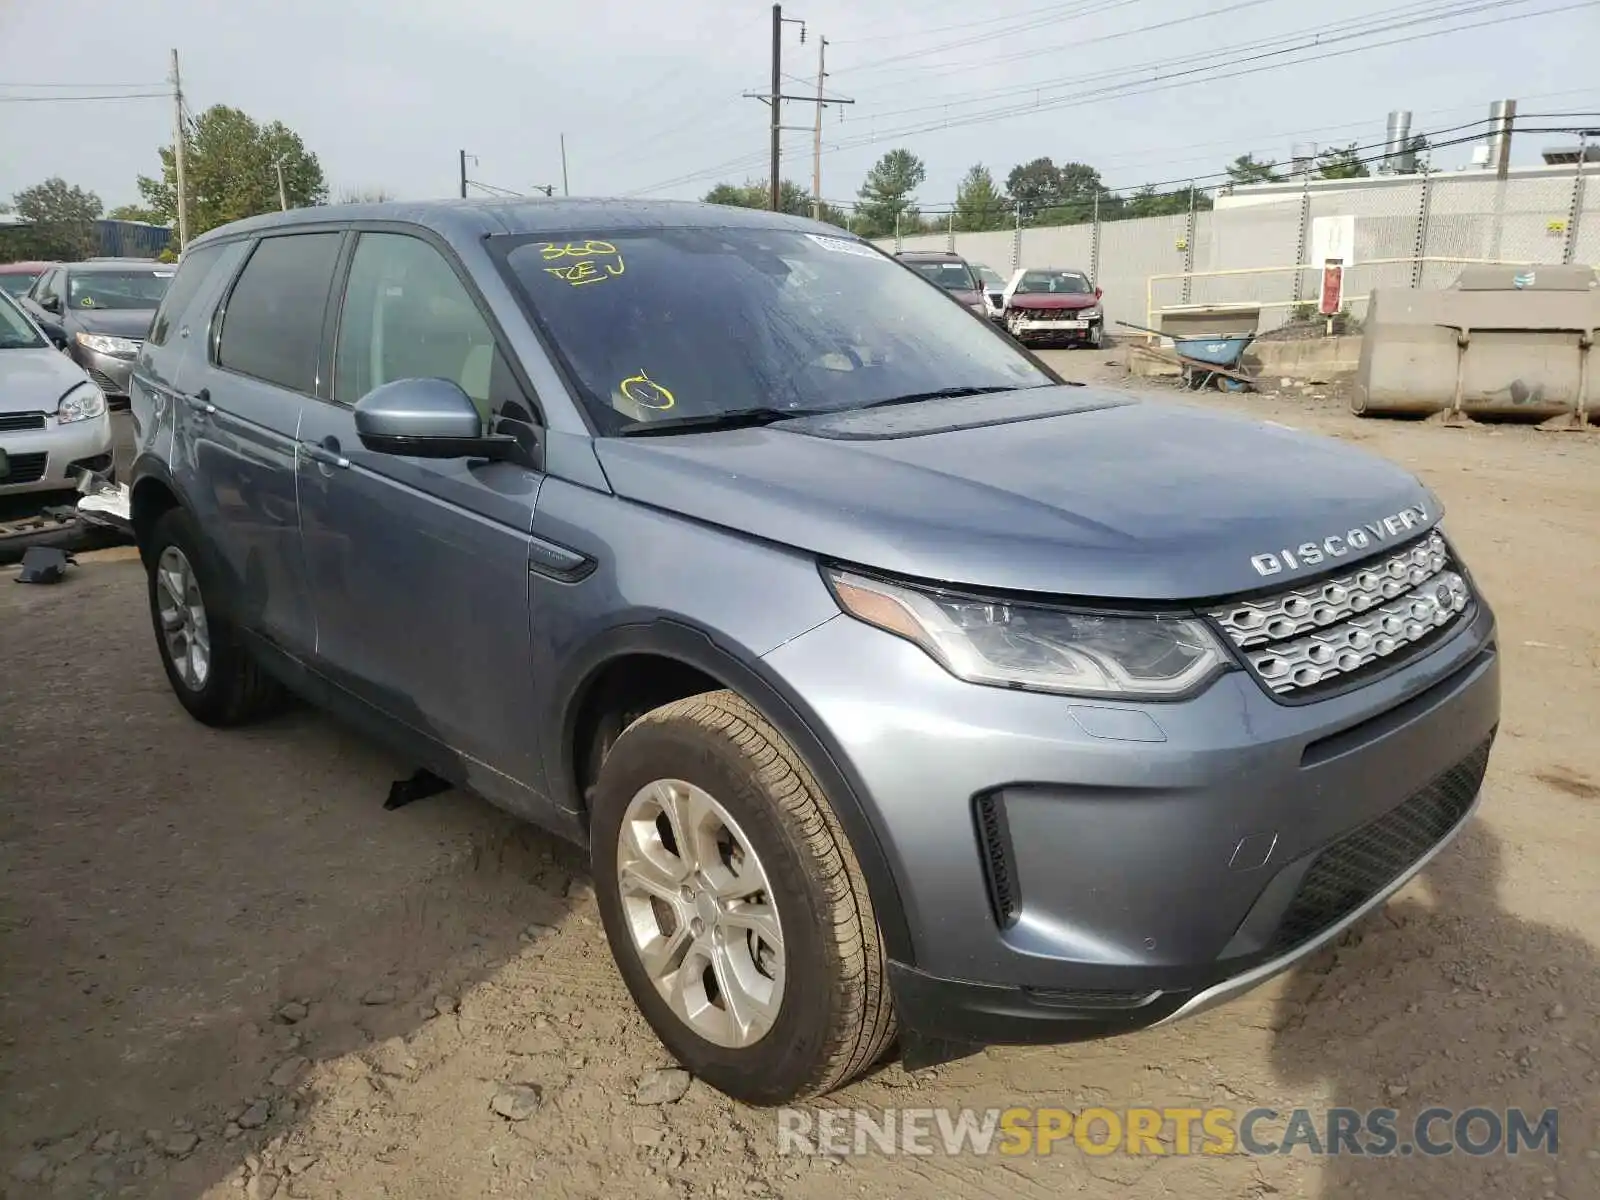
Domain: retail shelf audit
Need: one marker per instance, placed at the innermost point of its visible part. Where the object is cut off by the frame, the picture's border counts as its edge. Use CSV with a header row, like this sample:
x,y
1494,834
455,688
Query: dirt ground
x,y
225,970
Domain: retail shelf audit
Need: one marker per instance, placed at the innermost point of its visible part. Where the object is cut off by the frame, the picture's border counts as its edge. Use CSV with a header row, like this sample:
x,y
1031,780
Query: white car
x,y
994,290
53,420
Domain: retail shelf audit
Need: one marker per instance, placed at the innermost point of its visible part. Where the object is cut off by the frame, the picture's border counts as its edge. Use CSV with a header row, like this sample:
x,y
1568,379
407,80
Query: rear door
x,y
419,567
236,427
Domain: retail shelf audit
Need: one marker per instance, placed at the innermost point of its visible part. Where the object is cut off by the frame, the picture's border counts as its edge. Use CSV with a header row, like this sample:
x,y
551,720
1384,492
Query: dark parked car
x,y
951,272
17,277
99,312
898,689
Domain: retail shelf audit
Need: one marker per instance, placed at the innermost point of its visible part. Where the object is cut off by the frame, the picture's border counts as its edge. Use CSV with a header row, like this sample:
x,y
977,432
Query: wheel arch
x,y
688,653
153,493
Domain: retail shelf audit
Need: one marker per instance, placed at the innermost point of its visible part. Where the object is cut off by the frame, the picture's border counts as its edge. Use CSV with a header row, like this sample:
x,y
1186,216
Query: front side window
x,y
1068,283
118,289
407,316
951,276
16,331
16,283
46,289
272,328
696,322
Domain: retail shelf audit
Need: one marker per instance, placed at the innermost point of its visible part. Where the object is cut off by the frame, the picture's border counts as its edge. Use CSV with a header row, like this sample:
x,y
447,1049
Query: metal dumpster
x,y
1500,341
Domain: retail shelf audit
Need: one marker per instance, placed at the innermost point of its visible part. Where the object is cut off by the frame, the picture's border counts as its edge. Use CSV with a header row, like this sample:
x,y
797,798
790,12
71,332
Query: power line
x,y
145,84
72,99
1129,89
910,34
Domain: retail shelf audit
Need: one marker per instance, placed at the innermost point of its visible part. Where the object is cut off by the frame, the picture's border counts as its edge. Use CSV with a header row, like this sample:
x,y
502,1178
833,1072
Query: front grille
x,y
14,421
1359,865
994,838
25,468
1314,637
104,383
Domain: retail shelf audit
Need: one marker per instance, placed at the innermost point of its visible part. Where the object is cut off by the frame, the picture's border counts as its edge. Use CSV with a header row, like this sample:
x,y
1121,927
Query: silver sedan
x,y
53,420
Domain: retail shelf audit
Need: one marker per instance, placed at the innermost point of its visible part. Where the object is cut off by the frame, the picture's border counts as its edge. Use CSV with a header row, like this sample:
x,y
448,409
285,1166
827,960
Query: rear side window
x,y
192,272
272,329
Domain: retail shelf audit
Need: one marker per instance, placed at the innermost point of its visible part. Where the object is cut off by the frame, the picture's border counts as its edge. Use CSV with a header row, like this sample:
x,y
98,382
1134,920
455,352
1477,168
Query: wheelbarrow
x,y
1206,361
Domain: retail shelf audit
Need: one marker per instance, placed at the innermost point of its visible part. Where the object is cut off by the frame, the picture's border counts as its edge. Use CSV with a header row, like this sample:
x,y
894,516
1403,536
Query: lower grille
x,y
25,468
994,838
15,421
1361,864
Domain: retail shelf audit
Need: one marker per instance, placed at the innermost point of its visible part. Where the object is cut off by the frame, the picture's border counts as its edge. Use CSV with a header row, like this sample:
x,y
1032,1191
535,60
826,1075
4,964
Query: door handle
x,y
200,401
325,452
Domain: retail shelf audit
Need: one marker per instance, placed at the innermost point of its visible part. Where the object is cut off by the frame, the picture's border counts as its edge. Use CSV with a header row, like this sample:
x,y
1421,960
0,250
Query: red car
x,y
16,278
1052,305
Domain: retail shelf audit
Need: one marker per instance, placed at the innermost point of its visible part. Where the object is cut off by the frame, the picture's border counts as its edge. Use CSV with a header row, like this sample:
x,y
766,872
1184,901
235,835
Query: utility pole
x,y
564,190
775,187
816,144
178,156
463,174
283,199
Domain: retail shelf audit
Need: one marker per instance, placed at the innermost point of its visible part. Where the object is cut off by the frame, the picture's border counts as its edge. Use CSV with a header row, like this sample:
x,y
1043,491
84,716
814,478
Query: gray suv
x,y
902,692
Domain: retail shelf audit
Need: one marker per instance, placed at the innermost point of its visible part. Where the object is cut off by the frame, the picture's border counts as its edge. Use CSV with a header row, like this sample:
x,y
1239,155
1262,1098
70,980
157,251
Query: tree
x,y
1341,163
1035,186
1245,169
792,199
376,195
135,212
230,171
979,203
1147,202
1079,187
60,220
886,194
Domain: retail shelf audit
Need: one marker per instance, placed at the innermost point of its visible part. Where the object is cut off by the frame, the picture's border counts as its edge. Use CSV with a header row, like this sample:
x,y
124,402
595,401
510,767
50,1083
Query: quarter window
x,y
407,316
192,273
273,325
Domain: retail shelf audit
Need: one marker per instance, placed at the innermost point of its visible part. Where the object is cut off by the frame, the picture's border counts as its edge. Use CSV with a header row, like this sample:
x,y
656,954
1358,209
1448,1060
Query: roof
x,y
95,266
24,268
930,256
477,218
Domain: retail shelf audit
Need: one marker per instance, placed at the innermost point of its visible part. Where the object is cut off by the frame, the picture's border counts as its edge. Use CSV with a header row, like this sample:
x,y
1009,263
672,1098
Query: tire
x,y
232,689
1096,339
833,1017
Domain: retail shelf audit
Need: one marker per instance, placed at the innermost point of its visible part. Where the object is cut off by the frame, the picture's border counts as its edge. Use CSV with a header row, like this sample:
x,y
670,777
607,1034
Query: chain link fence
x,y
1258,248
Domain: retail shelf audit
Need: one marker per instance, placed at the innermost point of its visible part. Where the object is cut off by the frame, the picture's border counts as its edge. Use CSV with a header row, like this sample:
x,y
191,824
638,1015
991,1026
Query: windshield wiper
x,y
734,418
939,394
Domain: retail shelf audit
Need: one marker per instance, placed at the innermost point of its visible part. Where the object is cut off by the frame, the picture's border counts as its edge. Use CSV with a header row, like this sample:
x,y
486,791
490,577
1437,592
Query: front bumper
x,y
1064,329
1071,869
47,460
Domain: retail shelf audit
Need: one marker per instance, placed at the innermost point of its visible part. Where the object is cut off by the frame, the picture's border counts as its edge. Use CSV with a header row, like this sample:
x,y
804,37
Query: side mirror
x,y
51,304
1098,293
427,418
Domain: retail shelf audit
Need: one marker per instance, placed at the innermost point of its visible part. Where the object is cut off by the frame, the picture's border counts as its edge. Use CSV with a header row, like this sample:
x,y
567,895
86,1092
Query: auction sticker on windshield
x,y
845,246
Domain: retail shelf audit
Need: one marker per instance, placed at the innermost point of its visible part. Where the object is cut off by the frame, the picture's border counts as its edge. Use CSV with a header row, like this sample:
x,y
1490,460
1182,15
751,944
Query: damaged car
x,y
53,420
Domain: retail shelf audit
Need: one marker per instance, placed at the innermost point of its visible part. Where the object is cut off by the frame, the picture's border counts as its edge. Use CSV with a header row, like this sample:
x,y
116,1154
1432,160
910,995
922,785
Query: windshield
x,y
951,276
991,277
1070,283
697,322
117,289
16,331
14,283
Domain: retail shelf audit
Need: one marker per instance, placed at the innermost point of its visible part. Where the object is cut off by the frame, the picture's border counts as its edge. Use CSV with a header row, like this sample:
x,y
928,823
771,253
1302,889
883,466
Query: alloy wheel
x,y
183,618
700,911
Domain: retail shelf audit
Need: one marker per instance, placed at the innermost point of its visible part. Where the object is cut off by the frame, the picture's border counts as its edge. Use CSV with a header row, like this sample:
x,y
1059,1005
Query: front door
x,y
419,567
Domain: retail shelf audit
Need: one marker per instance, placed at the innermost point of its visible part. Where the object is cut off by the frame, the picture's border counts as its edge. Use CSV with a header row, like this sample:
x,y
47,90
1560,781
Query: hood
x,y
1062,490
968,296
119,322
35,380
1056,300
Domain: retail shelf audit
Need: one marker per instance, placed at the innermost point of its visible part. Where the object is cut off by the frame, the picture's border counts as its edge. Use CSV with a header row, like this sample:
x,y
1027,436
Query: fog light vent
x,y
999,870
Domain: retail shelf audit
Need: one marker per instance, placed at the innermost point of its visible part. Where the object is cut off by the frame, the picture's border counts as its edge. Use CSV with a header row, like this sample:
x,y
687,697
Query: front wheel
x,y
1097,337
737,913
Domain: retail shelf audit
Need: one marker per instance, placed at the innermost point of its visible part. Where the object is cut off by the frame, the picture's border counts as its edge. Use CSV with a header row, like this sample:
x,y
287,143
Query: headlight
x,y
1090,313
1043,649
102,343
83,404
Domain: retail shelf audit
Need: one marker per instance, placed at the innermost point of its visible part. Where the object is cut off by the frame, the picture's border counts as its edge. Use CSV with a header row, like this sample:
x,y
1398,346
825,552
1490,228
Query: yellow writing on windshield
x,y
589,261
647,393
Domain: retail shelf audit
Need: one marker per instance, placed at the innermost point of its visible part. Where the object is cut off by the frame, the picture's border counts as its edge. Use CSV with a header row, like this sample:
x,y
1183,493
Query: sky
x,y
649,96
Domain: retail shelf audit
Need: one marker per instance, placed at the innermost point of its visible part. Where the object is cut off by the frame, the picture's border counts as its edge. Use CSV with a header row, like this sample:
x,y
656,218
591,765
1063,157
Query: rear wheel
x,y
734,906
208,667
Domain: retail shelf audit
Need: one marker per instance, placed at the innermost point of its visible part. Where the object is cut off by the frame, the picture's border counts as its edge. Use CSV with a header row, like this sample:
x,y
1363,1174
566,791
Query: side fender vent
x,y
999,863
